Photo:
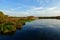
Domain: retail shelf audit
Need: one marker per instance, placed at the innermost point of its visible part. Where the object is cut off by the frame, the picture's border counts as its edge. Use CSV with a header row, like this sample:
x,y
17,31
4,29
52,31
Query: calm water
x,y
42,29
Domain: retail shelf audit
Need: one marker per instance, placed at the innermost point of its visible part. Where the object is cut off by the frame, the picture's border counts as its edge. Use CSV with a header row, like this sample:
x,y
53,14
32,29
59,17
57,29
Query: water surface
x,y
41,29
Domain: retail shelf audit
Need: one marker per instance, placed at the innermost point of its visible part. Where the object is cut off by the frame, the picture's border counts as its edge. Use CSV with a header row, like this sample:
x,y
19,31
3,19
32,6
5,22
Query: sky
x,y
30,7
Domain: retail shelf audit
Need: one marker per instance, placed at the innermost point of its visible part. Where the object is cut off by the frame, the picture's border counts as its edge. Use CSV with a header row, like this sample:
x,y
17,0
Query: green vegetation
x,y
7,28
10,24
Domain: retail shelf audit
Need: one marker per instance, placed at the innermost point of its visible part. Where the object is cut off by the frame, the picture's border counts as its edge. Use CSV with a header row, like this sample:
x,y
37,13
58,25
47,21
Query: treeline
x,y
56,17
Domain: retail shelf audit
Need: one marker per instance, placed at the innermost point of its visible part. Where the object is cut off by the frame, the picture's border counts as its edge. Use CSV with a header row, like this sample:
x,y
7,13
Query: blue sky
x,y
30,7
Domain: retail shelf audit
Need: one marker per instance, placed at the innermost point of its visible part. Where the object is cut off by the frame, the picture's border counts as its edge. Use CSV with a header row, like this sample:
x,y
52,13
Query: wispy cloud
x,y
30,7
51,11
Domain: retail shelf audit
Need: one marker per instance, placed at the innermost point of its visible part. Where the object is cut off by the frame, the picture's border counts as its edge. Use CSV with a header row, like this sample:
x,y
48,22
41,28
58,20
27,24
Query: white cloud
x,y
53,8
35,11
53,11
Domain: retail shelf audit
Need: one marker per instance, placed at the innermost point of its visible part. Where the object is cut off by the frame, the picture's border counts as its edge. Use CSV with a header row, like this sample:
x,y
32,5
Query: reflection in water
x,y
9,33
45,29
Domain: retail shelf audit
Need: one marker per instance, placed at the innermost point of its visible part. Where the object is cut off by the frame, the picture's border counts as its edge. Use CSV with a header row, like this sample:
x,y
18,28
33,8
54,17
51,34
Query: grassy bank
x,y
10,24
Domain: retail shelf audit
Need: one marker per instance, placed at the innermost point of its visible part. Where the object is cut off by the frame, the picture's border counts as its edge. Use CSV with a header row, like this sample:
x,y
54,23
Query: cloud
x,y
13,9
48,3
51,11
43,8
36,11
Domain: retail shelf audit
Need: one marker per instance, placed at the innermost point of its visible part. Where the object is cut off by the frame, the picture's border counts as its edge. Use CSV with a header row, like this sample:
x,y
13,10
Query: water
x,y
41,29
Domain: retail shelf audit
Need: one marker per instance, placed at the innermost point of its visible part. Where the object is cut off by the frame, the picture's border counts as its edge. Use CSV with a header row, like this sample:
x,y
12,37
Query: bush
x,y
9,23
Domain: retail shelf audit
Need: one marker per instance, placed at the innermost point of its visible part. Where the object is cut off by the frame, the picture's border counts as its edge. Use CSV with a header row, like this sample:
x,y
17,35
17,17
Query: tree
x,y
31,17
1,16
1,13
